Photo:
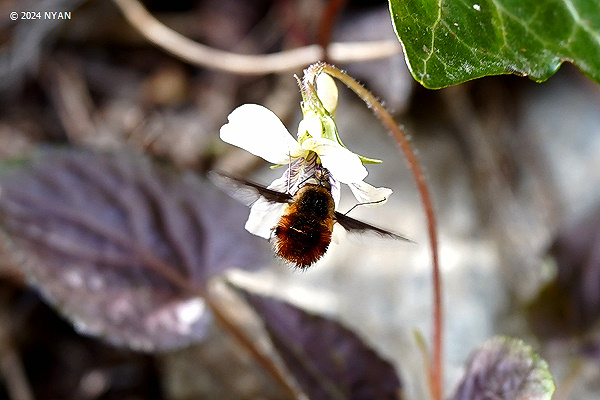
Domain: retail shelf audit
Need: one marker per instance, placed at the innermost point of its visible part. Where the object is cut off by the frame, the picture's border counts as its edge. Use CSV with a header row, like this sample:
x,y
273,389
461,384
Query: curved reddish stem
x,y
435,372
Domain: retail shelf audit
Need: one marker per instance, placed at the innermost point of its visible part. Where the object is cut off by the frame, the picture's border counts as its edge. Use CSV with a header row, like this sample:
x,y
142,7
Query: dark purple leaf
x,y
507,369
589,345
570,304
576,250
328,360
99,233
591,349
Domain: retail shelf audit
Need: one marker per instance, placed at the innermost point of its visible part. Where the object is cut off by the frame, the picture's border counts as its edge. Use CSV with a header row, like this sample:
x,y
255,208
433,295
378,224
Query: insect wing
x,y
355,226
245,191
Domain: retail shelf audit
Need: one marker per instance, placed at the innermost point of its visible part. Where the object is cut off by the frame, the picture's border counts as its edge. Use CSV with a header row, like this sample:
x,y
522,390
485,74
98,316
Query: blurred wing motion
x,y
245,191
355,226
248,193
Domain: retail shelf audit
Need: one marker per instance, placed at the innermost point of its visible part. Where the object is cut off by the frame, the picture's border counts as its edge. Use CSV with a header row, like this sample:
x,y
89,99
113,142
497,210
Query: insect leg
x,y
364,204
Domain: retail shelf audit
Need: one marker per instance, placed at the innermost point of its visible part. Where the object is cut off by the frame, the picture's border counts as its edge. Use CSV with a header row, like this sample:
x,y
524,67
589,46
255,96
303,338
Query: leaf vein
x,y
433,29
522,22
581,22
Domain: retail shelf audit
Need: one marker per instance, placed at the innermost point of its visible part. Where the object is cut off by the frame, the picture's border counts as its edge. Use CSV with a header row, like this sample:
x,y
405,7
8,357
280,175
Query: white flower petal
x,y
338,235
344,165
336,191
312,125
264,216
258,130
366,193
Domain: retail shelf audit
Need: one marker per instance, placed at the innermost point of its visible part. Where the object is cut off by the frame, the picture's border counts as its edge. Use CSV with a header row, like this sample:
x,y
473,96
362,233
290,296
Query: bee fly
x,y
303,233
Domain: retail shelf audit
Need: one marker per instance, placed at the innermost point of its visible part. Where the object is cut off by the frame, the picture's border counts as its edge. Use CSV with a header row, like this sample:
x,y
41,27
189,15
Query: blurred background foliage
x,y
513,167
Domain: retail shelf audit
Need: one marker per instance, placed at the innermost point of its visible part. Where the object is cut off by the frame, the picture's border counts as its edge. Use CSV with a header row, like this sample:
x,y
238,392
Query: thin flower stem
x,y
246,342
198,54
12,370
435,372
189,287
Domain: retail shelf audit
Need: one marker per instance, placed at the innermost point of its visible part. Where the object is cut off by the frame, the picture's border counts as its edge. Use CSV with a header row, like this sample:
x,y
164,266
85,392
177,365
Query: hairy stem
x,y
435,372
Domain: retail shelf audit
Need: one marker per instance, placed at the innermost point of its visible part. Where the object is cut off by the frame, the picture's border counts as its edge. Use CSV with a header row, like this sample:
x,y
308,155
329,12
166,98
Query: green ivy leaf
x,y
449,42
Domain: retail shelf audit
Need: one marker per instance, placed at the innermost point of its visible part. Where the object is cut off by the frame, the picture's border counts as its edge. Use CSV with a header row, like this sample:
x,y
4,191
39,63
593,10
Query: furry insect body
x,y
303,233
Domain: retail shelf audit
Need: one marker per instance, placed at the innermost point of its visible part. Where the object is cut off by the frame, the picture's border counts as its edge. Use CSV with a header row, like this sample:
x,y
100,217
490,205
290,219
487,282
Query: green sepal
x,y
367,160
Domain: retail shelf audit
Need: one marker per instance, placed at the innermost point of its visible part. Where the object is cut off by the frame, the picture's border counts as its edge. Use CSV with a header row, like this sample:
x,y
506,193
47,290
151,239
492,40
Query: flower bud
x,y
327,92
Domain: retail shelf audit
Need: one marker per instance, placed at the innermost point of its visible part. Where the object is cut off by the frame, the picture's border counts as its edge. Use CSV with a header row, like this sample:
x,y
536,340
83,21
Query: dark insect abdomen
x,y
301,239
303,235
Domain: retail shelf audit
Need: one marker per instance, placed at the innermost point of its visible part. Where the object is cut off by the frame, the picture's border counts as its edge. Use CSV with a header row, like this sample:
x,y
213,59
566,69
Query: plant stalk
x,y
436,370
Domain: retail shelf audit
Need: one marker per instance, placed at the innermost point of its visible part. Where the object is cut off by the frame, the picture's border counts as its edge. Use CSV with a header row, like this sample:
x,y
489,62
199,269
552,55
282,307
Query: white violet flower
x,y
258,130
